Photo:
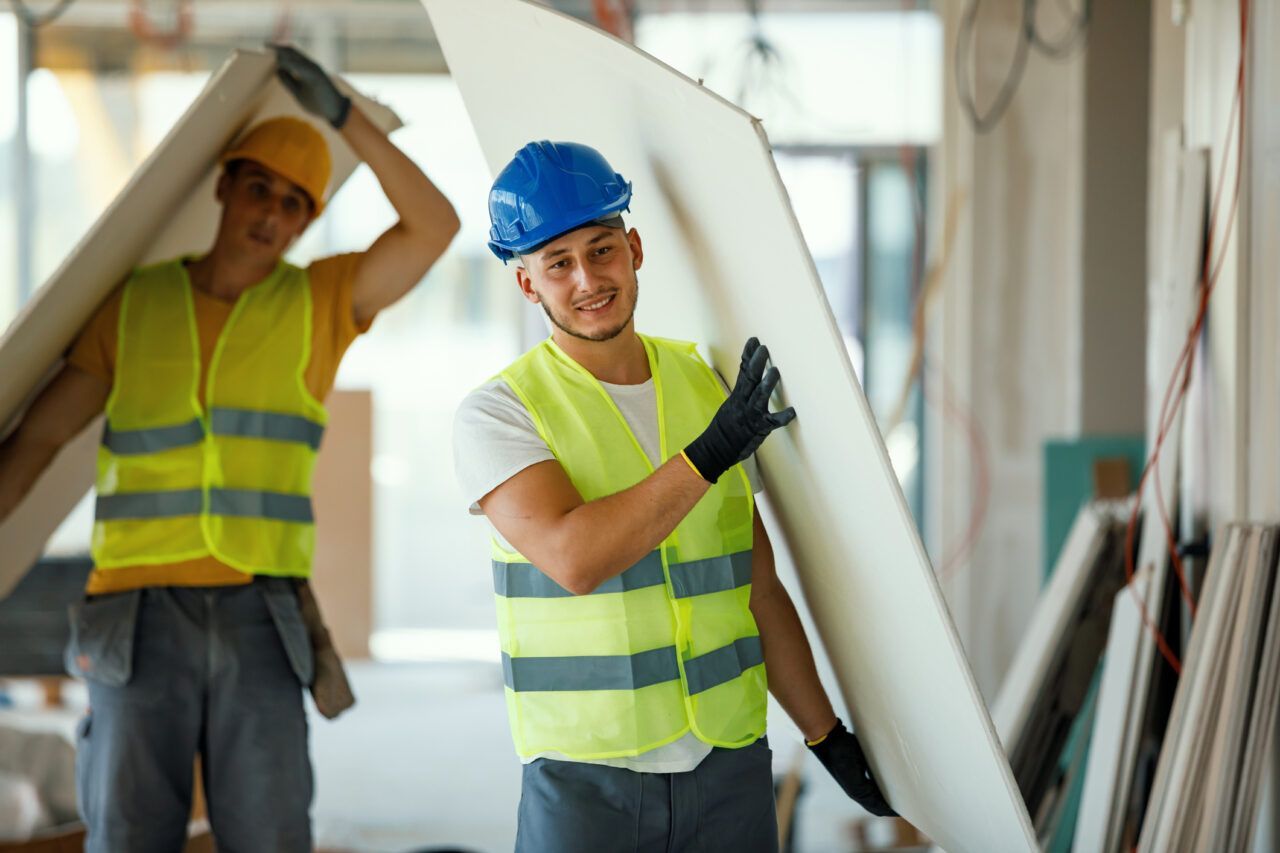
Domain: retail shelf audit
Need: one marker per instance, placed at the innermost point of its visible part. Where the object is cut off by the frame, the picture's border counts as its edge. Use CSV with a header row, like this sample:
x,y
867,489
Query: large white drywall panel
x,y
166,209
725,260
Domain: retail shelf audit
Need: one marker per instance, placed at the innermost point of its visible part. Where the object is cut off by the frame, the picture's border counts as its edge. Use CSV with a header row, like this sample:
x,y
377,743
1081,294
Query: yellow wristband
x,y
818,741
691,465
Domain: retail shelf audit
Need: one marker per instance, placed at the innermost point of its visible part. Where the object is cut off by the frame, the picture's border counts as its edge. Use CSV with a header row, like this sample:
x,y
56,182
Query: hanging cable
x,y
965,37
1062,47
979,464
1182,371
143,28
35,20
616,17
1029,38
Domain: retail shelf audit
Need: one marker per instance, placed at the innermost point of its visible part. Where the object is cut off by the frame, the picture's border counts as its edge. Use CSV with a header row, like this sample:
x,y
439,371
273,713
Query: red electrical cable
x,y
1186,358
950,406
615,18
982,480
143,28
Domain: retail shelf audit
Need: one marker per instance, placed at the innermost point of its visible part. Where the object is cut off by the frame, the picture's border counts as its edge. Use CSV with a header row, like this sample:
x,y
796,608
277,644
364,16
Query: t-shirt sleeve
x,y
332,285
493,440
94,349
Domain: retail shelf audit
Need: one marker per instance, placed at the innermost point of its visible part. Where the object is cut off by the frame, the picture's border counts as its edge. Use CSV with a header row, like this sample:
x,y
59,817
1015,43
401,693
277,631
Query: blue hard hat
x,y
548,189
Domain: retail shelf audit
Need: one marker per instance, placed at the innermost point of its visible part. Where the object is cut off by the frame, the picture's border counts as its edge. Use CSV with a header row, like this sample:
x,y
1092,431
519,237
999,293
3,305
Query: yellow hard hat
x,y
290,147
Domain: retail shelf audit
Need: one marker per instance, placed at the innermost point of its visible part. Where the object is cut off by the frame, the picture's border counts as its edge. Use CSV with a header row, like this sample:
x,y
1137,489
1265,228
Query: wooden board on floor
x,y
167,208
725,260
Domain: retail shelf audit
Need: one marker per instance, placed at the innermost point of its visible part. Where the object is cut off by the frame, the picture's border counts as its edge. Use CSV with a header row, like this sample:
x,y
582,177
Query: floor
x,y
424,762
445,774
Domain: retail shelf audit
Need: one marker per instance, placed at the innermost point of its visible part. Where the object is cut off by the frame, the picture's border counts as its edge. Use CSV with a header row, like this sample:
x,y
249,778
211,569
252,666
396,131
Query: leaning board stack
x,y
1045,695
1205,793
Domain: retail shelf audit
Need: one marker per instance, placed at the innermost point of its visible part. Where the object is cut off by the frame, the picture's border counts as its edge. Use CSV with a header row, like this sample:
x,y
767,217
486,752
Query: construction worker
x,y
638,606
211,370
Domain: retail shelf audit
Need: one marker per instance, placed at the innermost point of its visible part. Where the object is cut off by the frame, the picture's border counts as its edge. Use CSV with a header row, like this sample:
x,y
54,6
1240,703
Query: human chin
x,y
583,330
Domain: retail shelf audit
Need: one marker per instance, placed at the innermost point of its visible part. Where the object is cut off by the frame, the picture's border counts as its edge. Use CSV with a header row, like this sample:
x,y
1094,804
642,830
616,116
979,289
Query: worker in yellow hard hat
x,y
212,370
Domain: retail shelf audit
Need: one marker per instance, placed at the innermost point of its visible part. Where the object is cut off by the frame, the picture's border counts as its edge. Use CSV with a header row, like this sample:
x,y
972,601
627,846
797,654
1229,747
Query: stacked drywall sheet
x,y
1171,308
168,208
1100,809
1051,676
1109,821
724,260
1207,782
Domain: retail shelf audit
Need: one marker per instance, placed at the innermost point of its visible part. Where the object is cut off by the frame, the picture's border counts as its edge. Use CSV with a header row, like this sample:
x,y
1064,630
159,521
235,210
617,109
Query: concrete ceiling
x,y
374,36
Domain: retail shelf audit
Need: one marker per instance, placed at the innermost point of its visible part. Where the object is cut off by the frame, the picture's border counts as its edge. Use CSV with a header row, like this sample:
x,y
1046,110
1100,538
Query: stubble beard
x,y
607,335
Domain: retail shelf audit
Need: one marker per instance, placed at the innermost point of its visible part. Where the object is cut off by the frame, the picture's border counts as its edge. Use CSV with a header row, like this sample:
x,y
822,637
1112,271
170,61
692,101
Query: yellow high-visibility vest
x,y
232,478
668,646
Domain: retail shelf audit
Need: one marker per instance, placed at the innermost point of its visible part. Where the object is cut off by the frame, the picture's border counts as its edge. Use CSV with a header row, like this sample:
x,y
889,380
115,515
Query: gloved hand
x,y
743,420
311,85
842,755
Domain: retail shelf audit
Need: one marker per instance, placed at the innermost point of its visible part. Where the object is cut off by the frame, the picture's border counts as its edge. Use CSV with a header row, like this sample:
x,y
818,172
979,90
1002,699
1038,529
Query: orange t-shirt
x,y
333,329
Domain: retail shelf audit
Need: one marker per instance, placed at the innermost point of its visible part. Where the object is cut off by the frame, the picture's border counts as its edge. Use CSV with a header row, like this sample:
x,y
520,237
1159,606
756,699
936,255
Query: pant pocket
x,y
102,637
282,602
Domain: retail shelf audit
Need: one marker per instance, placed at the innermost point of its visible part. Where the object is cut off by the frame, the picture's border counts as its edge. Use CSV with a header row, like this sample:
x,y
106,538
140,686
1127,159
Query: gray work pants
x,y
174,672
725,803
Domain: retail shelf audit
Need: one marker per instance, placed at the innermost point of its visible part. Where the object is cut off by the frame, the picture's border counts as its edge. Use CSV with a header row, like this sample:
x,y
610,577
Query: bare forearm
x,y
422,208
23,458
788,660
602,538
65,407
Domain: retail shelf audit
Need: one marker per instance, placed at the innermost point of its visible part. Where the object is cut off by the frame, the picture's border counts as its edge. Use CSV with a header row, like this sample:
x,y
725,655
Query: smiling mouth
x,y
598,305
258,237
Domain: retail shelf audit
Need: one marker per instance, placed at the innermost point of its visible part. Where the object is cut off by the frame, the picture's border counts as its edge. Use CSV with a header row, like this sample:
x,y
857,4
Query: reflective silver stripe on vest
x,y
715,574
236,502
591,672
696,577
724,664
251,423
524,580
148,504
273,505
134,442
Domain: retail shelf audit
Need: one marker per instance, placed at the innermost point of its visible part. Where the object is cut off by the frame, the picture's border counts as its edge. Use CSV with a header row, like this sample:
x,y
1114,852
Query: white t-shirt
x,y
494,439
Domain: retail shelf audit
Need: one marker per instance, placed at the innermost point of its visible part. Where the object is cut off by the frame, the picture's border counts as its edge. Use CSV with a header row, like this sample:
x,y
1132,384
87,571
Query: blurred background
x,y
979,185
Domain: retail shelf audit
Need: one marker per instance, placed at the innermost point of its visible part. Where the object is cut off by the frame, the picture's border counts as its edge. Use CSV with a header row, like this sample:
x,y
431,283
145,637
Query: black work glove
x,y
743,420
842,755
310,85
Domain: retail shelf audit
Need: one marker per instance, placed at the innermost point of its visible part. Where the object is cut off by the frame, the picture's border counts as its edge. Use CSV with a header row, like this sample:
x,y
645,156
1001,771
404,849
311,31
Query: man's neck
x,y
225,276
620,360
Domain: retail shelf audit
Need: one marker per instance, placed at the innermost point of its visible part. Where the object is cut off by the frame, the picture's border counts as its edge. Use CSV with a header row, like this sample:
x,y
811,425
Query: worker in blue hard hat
x,y
638,605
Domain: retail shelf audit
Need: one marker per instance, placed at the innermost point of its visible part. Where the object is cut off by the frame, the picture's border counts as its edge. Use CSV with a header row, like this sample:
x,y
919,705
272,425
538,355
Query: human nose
x,y
585,279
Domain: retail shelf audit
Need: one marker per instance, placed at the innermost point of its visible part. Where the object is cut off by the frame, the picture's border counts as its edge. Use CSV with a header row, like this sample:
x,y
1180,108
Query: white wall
x,y
1007,327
